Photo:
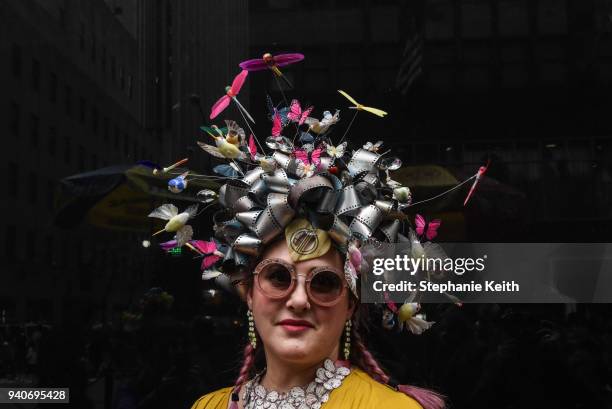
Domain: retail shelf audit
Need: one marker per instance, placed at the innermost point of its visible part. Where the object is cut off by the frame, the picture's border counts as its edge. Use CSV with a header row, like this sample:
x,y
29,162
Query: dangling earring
x,y
252,337
347,339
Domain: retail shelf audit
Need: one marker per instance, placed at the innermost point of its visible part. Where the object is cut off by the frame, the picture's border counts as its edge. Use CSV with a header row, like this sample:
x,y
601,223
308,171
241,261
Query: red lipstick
x,y
295,325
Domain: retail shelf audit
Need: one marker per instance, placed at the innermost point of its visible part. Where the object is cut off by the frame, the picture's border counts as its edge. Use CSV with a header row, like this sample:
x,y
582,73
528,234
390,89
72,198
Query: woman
x,y
307,319
290,230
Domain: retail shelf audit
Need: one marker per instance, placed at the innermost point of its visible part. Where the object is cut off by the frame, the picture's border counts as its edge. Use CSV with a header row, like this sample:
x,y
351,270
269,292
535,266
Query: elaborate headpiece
x,y
299,183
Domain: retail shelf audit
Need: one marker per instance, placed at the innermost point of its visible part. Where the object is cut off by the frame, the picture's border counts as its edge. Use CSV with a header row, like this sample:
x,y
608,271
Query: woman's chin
x,y
294,350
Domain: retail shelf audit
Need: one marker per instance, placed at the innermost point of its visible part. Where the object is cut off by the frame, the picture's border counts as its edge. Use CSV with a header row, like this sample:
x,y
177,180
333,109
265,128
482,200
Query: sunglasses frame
x,y
295,275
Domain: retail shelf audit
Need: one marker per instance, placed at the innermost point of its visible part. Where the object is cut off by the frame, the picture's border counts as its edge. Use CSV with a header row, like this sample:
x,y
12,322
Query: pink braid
x,y
369,363
243,376
426,398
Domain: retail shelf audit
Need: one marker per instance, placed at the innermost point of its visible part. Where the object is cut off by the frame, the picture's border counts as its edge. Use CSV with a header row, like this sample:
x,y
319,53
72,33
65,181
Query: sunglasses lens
x,y
274,280
326,286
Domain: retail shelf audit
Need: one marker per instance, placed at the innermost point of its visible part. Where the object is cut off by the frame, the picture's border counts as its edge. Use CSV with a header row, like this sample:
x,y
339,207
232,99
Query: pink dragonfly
x,y
479,174
272,62
230,95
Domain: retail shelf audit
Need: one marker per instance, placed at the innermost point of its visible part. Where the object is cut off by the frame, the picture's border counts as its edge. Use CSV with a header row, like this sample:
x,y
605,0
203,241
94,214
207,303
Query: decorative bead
x,y
251,333
347,339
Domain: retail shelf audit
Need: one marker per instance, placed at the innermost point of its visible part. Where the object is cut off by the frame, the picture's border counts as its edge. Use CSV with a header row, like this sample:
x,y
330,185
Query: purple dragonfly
x,y
272,62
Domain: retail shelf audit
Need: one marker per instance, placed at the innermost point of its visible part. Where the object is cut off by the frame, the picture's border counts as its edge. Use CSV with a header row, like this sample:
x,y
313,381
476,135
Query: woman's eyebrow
x,y
310,270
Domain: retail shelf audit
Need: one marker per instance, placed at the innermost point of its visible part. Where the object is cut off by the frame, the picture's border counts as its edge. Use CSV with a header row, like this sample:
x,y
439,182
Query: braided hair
x,y
248,363
361,358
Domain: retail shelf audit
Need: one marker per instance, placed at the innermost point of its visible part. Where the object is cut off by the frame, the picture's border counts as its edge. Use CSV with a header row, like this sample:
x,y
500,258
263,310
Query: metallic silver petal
x,y
362,161
247,244
366,221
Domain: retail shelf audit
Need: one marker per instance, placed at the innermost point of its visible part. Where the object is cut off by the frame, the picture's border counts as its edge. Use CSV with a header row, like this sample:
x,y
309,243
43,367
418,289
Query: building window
x,y
35,75
10,247
81,159
32,188
15,119
34,130
52,142
105,128
68,100
82,37
94,120
85,271
126,145
93,48
82,109
49,255
130,87
31,237
50,194
103,58
67,150
113,68
16,61
116,142
53,87
13,180
121,79
66,253
62,17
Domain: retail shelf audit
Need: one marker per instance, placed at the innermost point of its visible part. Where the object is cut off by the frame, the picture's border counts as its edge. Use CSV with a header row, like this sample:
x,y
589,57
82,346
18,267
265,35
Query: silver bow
x,y
278,181
366,221
307,185
263,204
260,204
348,201
391,230
362,161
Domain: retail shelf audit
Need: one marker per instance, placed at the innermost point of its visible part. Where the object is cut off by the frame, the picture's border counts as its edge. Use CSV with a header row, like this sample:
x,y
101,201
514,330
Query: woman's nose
x,y
298,299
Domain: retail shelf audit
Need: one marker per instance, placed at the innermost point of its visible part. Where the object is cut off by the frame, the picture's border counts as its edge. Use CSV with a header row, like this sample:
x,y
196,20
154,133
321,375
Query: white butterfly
x,y
320,127
373,147
336,151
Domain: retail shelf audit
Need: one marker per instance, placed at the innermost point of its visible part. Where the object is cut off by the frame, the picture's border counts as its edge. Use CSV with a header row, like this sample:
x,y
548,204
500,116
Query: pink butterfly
x,y
277,125
429,229
307,164
210,252
296,114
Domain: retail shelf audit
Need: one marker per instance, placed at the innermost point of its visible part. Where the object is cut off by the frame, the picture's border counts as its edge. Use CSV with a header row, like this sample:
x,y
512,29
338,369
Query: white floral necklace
x,y
312,396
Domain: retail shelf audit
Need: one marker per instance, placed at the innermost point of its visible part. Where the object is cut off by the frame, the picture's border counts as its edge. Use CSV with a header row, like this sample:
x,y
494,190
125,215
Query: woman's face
x,y
309,344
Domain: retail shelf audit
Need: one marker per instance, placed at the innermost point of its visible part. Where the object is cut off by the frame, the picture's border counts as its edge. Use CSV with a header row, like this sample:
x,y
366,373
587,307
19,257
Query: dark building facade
x,y
523,83
89,84
188,48
72,103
